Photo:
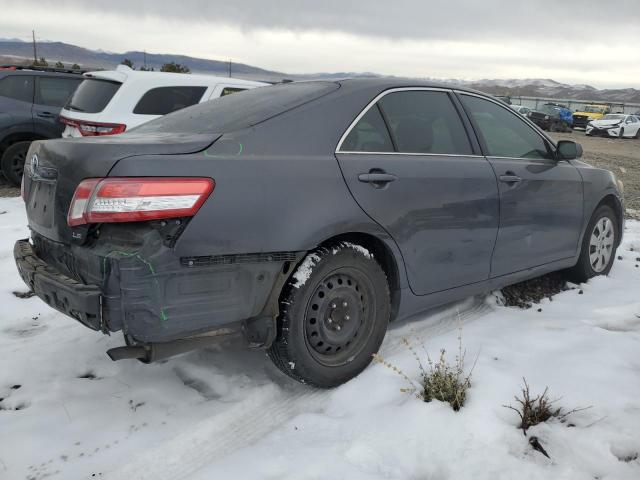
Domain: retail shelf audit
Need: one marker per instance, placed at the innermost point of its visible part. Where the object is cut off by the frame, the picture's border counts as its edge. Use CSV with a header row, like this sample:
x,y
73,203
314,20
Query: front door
x,y
409,164
541,199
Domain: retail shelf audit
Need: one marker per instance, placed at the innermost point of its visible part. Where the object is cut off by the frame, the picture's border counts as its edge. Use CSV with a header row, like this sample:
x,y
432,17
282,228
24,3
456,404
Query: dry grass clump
x,y
534,410
440,380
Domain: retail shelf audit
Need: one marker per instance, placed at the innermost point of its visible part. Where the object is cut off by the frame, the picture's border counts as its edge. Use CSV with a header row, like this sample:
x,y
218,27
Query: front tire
x,y
12,162
334,314
598,246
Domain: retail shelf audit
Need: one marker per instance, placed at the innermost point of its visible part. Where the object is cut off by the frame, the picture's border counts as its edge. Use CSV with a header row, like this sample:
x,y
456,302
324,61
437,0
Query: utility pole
x,y
229,68
35,54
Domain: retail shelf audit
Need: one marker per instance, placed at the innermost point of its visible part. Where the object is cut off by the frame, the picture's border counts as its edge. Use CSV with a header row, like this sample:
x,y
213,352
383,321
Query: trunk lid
x,y
54,168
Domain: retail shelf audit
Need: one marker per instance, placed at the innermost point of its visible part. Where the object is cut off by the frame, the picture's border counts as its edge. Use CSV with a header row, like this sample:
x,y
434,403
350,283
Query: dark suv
x,y
30,103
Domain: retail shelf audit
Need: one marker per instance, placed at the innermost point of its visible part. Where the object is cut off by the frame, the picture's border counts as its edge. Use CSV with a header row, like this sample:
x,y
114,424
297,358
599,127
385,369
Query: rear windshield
x,y
240,110
92,95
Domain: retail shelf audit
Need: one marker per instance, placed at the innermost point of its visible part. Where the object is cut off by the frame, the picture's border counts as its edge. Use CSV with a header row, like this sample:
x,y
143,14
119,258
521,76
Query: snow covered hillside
x,y
67,412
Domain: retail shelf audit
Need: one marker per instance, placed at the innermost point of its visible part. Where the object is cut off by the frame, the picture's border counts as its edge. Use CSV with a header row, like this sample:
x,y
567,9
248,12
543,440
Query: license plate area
x,y
41,206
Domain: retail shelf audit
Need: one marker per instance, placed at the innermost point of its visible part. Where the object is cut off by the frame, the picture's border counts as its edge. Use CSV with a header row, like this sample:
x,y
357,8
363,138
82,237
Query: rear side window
x,y
92,95
163,100
230,90
55,92
369,135
234,112
504,133
18,87
425,122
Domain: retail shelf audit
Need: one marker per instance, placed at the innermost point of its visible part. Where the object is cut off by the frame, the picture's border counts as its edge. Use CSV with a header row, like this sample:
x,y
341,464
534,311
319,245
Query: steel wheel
x,y
334,313
339,311
601,244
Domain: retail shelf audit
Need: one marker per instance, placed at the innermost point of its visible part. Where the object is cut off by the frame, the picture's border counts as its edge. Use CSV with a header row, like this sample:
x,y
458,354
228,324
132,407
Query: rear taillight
x,y
119,199
94,129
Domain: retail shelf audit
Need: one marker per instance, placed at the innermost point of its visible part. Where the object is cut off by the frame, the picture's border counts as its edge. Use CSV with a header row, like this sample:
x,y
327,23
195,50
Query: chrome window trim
x,y
527,122
373,102
414,154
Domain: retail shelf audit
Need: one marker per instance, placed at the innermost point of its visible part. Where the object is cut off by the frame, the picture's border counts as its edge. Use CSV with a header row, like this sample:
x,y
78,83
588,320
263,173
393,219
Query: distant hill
x,y
18,51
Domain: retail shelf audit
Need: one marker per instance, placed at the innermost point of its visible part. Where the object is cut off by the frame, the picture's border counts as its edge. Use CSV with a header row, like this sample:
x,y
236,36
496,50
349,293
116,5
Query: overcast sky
x,y
595,42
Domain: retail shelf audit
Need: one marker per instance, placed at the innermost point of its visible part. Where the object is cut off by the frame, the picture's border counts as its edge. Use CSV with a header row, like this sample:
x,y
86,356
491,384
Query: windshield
x,y
240,110
592,109
92,95
613,117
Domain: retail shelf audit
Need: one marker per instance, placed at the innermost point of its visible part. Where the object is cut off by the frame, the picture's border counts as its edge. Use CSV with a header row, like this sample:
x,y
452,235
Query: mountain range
x,y
15,51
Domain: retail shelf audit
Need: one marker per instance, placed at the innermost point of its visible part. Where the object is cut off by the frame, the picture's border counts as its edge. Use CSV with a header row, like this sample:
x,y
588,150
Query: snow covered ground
x,y
68,412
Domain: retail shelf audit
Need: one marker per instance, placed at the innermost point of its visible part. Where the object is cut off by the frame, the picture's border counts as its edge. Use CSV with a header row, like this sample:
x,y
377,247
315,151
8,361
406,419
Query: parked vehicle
x,y
306,216
110,102
522,110
615,125
590,113
30,102
553,117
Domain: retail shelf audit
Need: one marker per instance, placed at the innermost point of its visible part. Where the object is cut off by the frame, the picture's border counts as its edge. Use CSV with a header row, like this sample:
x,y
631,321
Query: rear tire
x,y
335,310
598,246
12,162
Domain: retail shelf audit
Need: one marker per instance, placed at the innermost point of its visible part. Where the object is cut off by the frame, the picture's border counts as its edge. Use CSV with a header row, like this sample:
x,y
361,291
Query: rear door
x,y
51,94
16,98
541,199
409,163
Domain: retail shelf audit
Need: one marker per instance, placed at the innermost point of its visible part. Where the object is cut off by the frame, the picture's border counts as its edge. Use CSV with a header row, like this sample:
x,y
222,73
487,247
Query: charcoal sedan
x,y
305,217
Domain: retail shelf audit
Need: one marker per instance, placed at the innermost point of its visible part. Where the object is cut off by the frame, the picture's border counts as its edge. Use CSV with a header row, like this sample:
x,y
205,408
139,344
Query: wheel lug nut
x,y
333,305
344,304
329,320
346,317
338,327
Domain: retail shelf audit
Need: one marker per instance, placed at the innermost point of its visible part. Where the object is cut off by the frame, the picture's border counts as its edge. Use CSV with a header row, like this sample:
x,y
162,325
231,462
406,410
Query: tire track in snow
x,y
269,406
245,423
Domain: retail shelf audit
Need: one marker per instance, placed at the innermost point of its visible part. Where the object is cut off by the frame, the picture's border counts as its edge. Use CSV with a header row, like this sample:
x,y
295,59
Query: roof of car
x,y
4,72
123,73
386,83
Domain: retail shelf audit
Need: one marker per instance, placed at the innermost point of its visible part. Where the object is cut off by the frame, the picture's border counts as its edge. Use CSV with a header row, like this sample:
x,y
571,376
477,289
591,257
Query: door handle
x,y
510,178
45,114
377,178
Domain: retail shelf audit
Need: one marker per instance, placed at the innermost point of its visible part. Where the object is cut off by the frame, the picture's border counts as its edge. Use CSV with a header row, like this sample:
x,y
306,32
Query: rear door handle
x,y
45,114
377,178
510,178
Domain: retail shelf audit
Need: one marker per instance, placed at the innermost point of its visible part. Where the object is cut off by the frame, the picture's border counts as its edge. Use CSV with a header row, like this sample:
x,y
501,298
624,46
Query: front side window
x,y
425,122
505,134
55,92
163,100
370,134
18,87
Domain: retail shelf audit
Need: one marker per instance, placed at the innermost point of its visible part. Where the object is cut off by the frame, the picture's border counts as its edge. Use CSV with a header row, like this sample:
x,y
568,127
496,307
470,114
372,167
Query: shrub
x,y
441,380
535,410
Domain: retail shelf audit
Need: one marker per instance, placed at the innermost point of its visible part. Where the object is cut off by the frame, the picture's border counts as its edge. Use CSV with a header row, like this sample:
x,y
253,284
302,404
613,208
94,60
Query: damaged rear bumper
x,y
79,301
139,286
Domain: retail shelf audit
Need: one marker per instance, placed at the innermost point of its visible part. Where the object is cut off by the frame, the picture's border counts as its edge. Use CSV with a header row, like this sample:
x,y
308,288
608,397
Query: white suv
x,y
110,102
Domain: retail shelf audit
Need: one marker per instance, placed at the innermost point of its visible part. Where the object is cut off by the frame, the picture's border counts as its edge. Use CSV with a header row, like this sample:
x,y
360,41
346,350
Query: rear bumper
x,y
79,301
145,290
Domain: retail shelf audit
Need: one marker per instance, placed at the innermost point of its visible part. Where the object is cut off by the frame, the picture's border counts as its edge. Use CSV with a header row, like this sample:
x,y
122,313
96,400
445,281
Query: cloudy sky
x,y
586,41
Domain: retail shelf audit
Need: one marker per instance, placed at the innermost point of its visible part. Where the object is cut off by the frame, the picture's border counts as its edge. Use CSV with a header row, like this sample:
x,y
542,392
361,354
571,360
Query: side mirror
x,y
568,150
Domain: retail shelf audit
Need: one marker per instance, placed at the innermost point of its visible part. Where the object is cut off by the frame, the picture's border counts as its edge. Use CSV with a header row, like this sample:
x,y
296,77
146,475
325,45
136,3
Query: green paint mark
x,y
163,314
240,150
